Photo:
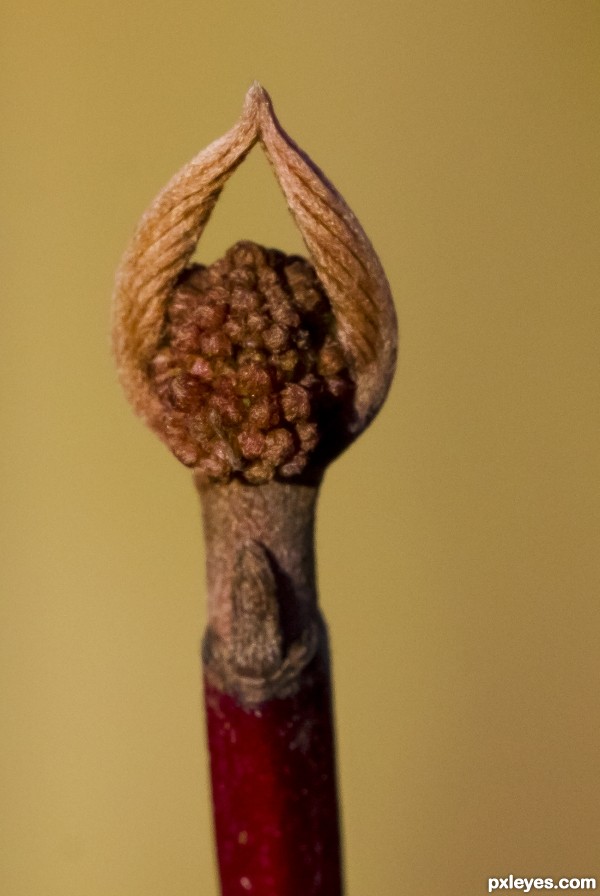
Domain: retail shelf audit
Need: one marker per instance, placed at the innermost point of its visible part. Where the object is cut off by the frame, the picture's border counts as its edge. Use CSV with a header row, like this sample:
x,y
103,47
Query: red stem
x,y
274,791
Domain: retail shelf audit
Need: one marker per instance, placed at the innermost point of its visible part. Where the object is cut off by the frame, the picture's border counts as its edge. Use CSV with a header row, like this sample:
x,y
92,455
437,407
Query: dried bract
x,y
260,365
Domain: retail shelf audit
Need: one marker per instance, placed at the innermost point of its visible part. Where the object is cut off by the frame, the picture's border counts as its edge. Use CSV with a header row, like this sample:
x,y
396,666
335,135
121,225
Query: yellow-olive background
x,y
456,540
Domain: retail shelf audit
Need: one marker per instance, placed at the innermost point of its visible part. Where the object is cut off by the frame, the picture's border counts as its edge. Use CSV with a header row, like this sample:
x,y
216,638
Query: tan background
x,y
457,540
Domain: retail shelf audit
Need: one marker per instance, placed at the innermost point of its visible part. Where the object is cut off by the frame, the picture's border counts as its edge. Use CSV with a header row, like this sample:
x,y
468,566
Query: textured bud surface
x,y
251,378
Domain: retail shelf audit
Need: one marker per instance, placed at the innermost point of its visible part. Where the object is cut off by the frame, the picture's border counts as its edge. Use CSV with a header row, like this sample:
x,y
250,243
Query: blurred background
x,y
458,563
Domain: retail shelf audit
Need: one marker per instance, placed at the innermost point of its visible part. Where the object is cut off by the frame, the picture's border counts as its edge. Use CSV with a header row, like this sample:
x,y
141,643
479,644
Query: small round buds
x,y
249,374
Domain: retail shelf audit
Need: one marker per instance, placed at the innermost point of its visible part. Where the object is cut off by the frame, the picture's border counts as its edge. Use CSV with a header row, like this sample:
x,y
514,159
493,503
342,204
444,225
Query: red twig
x,y
274,792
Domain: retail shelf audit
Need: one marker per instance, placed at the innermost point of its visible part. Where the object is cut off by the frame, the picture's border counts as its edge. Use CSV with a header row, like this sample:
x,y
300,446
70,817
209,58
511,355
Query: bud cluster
x,y
250,375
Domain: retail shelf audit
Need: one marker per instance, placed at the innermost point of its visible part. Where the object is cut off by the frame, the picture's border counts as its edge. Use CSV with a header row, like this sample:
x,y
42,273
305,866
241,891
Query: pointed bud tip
x,y
257,96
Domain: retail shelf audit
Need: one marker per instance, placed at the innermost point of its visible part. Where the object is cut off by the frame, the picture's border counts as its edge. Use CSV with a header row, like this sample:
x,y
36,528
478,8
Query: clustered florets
x,y
251,377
